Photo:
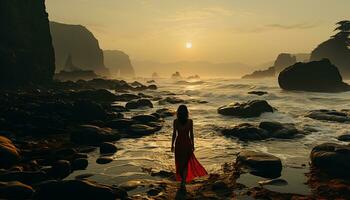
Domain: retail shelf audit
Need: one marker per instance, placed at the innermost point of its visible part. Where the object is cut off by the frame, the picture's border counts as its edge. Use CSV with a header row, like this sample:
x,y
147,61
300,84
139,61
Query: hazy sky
x,y
249,31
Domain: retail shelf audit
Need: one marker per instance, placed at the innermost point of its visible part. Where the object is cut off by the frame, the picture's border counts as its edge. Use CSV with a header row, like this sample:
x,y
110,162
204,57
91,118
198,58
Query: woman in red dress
x,y
187,166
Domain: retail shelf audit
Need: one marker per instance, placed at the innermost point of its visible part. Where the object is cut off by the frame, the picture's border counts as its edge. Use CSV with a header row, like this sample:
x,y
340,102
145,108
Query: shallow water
x,y
212,149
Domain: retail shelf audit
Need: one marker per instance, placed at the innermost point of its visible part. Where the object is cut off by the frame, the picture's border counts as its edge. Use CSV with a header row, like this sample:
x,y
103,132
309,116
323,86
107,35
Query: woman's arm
x,y
191,135
174,135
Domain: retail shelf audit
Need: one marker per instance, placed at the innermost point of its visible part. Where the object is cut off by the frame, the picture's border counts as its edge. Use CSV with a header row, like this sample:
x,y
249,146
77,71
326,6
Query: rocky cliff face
x,y
80,43
337,51
26,52
284,60
118,63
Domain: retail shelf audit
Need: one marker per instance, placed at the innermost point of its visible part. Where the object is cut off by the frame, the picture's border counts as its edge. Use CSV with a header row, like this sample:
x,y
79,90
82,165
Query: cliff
x,y
26,52
118,63
337,51
80,43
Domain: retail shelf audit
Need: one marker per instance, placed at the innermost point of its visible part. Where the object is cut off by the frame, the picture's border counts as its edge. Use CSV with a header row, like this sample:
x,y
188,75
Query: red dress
x,y
184,155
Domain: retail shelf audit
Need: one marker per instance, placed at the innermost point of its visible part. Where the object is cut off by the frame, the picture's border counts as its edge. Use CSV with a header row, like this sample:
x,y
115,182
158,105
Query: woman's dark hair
x,y
182,114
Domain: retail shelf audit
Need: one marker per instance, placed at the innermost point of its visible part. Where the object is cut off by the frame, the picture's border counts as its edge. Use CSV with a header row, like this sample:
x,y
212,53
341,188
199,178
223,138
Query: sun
x,y
188,45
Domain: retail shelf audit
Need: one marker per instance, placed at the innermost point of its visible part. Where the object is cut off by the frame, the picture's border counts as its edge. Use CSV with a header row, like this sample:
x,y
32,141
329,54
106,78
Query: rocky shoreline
x,y
48,132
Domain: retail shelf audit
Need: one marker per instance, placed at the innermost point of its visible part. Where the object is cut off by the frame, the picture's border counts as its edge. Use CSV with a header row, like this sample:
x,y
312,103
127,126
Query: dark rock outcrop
x,y
265,130
329,115
118,63
80,43
26,52
88,134
270,72
260,164
15,190
247,109
337,51
332,159
316,76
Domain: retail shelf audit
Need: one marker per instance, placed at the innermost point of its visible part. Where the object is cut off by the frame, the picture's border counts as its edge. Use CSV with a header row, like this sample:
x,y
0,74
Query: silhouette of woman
x,y
187,166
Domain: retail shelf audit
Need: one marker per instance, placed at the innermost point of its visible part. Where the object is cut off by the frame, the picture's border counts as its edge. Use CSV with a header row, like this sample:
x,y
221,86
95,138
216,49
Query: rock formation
x,y
336,50
316,76
118,63
80,43
283,60
26,52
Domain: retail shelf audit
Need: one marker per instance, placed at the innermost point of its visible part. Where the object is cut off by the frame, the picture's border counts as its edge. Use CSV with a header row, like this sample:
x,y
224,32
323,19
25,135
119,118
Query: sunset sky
x,y
248,31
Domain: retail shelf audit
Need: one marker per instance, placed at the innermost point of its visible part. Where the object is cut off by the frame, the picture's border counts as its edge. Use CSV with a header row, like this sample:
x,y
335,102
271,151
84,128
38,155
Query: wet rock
x,y
61,169
329,115
152,87
248,109
120,124
15,190
119,108
107,148
219,185
246,132
9,154
88,134
65,153
127,97
332,159
315,76
154,192
171,100
145,118
165,112
26,177
104,160
345,138
88,111
80,164
265,130
139,103
259,93
77,189
260,164
139,130
132,184
276,182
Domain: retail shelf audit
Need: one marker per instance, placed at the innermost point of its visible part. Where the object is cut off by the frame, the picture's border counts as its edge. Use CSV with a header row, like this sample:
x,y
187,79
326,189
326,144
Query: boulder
x,y
265,130
15,190
316,76
80,164
333,159
9,154
90,135
104,160
260,164
77,189
139,130
26,51
87,111
165,112
107,148
247,109
60,169
145,118
345,138
329,115
127,97
139,103
120,124
99,95
26,177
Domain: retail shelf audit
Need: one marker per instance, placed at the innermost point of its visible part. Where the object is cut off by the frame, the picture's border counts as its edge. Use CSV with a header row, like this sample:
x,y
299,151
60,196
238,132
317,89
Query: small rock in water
x,y
345,138
329,115
104,160
61,169
107,148
276,182
259,93
247,109
80,164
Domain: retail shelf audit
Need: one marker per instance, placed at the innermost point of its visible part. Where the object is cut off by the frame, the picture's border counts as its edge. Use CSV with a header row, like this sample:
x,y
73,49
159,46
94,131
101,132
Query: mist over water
x,y
212,148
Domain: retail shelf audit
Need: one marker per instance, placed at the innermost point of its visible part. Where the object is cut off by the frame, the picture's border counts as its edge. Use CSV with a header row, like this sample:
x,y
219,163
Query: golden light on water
x,y
188,45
